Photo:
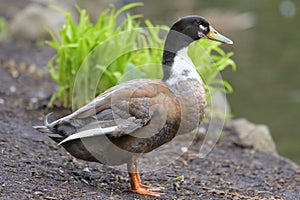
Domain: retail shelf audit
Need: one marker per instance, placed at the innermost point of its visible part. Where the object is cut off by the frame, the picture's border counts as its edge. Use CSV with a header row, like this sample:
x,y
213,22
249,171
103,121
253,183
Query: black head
x,y
196,27
183,33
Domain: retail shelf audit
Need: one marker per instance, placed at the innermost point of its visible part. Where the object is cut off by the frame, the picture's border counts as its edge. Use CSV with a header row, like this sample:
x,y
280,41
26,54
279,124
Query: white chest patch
x,y
183,68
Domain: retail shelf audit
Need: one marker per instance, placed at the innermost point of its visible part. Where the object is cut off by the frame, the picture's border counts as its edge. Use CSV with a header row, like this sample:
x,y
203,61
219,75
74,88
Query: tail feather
x,y
46,119
48,130
42,129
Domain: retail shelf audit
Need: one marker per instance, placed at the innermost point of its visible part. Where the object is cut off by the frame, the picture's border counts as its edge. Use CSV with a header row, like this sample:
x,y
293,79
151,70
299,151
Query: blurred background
x,y
266,37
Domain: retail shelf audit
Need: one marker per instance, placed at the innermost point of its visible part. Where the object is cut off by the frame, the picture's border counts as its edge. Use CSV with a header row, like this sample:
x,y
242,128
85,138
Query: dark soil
x,y
34,167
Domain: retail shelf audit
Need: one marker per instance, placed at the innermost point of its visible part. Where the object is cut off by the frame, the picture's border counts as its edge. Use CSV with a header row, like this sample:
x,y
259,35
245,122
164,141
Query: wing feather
x,y
119,111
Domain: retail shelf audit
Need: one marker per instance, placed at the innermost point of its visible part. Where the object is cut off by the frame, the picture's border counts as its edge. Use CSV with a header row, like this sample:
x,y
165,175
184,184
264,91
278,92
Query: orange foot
x,y
147,190
151,188
136,183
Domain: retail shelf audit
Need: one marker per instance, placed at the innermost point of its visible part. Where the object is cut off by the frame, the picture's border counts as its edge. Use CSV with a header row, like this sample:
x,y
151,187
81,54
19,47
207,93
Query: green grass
x,y
3,29
94,57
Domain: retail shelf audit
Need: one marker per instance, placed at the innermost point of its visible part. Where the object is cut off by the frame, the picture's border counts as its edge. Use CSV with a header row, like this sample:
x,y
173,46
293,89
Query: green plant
x,y
3,29
209,61
92,58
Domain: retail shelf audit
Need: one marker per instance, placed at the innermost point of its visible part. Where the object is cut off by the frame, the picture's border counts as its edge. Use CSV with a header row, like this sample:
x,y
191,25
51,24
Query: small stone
x,y
281,181
14,73
86,169
10,63
12,89
22,67
184,149
202,129
32,68
33,100
2,101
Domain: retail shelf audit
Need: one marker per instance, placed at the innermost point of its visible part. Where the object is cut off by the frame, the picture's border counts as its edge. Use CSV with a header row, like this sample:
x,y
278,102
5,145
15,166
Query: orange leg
x,y
136,171
135,182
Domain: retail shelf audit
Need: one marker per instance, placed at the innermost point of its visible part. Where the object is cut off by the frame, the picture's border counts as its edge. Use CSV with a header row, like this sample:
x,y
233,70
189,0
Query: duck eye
x,y
198,22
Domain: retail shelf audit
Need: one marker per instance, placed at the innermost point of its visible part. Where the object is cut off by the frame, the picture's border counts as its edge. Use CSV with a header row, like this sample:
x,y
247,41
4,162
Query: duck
x,y
138,116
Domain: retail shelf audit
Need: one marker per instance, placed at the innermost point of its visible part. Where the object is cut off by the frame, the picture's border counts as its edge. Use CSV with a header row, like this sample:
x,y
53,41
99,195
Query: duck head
x,y
196,27
182,33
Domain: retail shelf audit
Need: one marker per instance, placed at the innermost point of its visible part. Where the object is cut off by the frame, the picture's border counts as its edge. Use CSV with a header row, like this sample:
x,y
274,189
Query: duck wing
x,y
121,110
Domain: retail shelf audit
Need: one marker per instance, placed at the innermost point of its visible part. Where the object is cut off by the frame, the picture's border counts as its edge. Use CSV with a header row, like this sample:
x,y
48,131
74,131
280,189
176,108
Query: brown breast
x,y
179,109
191,97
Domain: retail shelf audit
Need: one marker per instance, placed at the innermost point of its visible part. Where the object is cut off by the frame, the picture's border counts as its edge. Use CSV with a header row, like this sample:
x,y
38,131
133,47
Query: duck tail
x,y
47,129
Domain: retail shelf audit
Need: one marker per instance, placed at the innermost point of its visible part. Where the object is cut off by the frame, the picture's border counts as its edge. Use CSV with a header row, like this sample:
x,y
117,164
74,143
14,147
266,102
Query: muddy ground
x,y
33,167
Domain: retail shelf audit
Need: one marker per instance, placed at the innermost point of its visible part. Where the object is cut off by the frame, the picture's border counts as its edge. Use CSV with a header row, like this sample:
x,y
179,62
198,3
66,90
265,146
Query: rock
x,y
254,135
32,22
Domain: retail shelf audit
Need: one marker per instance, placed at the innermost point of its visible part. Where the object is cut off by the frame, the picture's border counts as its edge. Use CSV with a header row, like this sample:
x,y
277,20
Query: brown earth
x,y
33,167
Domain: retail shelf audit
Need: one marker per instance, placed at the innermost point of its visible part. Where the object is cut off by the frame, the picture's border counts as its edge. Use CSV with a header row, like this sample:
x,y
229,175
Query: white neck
x,y
182,68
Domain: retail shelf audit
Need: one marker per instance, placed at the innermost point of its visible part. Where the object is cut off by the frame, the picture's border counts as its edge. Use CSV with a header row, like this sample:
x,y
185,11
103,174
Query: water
x,y
267,82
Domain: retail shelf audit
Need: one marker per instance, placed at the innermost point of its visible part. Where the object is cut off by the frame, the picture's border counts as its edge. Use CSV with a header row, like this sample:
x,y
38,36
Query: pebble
x,y
202,130
14,73
32,68
33,100
281,181
12,89
86,169
184,149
